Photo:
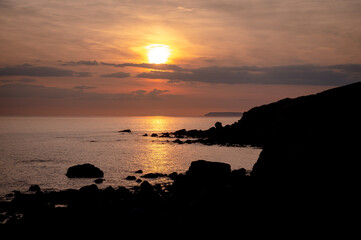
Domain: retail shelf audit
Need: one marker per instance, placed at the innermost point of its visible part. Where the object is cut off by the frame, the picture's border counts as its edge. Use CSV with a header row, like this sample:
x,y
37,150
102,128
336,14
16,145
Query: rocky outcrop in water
x,y
86,170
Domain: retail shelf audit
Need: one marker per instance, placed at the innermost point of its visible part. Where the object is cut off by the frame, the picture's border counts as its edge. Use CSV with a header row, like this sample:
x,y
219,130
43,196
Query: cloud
x,y
27,80
184,9
28,99
116,75
139,92
5,80
332,75
146,65
18,90
83,87
35,71
87,63
154,92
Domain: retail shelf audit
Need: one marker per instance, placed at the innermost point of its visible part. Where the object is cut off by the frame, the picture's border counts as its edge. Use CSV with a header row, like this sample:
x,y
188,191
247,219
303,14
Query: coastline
x,y
280,190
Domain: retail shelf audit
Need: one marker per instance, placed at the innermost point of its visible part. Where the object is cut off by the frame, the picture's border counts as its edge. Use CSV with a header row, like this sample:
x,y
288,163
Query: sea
x,y
39,150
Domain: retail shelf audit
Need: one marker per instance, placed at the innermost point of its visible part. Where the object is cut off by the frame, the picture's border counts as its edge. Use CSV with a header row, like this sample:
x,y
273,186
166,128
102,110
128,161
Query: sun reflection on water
x,y
158,124
158,158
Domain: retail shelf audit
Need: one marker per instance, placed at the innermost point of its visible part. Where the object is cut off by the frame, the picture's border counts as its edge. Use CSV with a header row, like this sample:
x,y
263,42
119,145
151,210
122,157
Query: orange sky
x,y
90,57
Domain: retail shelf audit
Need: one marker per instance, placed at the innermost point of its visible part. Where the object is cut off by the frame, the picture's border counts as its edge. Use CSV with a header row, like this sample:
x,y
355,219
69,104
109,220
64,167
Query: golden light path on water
x,y
159,159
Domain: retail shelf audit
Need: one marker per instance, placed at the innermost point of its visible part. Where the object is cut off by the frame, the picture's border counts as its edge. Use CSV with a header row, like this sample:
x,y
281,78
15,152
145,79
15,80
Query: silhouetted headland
x,y
307,172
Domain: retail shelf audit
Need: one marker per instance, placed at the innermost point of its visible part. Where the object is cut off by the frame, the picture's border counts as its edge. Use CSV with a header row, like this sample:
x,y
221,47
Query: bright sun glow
x,y
158,53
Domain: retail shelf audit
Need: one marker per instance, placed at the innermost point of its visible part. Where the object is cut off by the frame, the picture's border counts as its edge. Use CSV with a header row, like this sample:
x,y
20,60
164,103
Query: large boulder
x,y
84,171
203,170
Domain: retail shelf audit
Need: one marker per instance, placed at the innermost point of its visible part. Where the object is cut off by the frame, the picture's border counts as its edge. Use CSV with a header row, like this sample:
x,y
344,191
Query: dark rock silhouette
x,y
308,138
202,170
84,171
125,131
303,139
153,175
131,178
34,188
99,180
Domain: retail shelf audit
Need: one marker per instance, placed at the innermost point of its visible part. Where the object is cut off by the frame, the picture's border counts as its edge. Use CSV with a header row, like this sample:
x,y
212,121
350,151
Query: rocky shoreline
x,y
306,174
162,203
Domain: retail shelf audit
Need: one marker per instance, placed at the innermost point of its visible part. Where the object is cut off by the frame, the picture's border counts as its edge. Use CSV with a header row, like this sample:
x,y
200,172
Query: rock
x,y
165,135
173,175
139,171
218,125
131,178
239,173
181,132
154,175
209,171
90,189
145,135
146,187
139,180
154,135
34,188
99,180
84,171
178,141
125,131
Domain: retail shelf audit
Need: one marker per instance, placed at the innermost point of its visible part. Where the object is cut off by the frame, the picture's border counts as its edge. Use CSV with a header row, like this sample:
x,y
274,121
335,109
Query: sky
x,y
90,58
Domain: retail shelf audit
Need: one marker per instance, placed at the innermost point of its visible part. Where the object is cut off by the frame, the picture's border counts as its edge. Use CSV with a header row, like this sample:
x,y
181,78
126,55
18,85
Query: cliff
x,y
309,137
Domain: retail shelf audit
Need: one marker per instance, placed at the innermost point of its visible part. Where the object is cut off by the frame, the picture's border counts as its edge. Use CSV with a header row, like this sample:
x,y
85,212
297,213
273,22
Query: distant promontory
x,y
223,114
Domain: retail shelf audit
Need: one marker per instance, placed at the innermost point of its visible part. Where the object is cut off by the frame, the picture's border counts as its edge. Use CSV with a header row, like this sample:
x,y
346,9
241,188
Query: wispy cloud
x,y
146,65
87,63
116,75
83,87
40,71
332,75
21,91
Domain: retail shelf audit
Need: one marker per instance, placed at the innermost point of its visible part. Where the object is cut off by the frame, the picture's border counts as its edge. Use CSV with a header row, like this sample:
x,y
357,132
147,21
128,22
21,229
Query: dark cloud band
x,y
333,75
36,71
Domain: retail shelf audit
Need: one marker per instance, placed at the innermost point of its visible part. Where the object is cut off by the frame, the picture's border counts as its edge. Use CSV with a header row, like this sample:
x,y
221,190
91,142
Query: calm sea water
x,y
39,150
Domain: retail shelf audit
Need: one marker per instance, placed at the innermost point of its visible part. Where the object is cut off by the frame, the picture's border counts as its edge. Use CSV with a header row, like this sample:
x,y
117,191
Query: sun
x,y
158,53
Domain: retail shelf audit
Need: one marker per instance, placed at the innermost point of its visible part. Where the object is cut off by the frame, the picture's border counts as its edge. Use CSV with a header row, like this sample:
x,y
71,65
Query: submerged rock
x,y
86,170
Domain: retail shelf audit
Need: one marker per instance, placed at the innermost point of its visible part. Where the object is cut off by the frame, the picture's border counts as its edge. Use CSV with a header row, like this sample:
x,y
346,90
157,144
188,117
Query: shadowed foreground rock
x,y
205,189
